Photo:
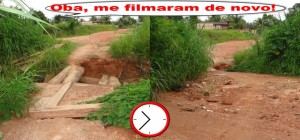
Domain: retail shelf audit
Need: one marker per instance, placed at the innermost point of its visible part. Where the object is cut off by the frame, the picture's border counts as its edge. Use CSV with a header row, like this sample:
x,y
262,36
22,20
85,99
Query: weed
x,y
178,54
15,95
119,104
135,45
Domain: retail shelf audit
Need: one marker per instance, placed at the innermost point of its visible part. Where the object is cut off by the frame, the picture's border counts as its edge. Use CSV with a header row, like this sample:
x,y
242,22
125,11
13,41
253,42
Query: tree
x,y
294,10
140,18
58,19
72,24
40,15
266,21
93,18
234,21
176,18
251,26
105,19
214,18
193,20
126,21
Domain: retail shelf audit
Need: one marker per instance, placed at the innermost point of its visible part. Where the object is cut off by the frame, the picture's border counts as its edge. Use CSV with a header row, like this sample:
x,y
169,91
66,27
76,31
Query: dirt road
x,y
236,106
219,106
91,46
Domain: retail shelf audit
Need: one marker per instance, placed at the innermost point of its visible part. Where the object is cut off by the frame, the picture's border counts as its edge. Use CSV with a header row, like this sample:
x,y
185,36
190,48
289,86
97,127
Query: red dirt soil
x,y
234,106
220,105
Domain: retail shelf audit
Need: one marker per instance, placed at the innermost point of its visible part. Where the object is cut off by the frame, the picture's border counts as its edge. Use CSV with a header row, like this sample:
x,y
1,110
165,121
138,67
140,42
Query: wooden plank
x,y
66,111
74,74
61,76
41,100
54,101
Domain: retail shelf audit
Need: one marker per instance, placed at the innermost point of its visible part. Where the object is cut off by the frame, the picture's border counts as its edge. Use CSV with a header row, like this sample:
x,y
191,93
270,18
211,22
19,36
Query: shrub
x,y
119,104
52,61
135,45
64,29
126,21
15,95
20,37
278,53
178,54
218,36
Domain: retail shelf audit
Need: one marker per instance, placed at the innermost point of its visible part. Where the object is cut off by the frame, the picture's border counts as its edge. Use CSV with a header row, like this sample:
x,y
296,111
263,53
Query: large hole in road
x,y
125,70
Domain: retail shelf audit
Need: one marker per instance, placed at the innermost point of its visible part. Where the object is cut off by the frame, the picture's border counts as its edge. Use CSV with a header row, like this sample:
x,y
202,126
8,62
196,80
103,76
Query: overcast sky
x,y
41,4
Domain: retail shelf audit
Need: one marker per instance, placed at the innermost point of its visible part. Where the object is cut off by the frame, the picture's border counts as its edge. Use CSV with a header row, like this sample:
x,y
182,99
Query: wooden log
x,y
54,101
74,74
66,111
61,76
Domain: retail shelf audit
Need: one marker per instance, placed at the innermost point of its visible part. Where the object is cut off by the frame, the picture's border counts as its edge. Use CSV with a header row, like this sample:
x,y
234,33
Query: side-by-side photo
x,y
79,74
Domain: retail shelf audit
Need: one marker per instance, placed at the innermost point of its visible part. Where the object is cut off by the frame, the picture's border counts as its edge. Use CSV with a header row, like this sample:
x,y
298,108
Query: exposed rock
x,y
89,80
227,101
275,96
212,99
109,80
228,83
189,109
104,80
114,81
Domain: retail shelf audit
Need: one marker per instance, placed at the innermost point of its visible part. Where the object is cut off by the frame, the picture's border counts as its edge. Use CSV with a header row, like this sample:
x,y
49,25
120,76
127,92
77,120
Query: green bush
x,y
279,52
20,37
65,31
178,54
218,36
135,45
52,61
15,95
119,104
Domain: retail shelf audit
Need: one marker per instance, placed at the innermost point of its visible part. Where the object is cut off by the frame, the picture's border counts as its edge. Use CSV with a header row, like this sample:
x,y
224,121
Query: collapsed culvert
x,y
109,71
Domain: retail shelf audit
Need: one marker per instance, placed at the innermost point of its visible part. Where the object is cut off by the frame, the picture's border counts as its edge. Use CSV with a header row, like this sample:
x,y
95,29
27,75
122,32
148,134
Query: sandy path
x,y
240,106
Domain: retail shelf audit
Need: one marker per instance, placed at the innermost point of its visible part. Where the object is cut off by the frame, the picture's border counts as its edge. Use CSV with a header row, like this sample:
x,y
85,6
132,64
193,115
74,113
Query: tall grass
x,y
218,36
135,45
64,29
178,54
278,52
20,37
52,61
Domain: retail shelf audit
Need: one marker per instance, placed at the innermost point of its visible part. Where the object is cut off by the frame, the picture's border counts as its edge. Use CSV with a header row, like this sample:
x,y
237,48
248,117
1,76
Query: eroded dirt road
x,y
234,106
91,46
219,106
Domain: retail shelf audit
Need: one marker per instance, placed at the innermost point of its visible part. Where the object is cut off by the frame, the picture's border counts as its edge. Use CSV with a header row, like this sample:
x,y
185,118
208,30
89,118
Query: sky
x,y
41,4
